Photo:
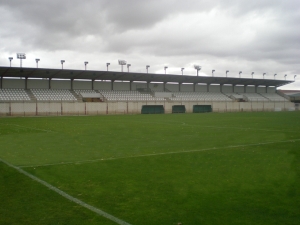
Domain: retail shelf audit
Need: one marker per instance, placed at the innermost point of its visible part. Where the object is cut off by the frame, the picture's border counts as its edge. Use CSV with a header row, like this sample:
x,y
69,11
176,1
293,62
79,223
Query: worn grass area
x,y
233,168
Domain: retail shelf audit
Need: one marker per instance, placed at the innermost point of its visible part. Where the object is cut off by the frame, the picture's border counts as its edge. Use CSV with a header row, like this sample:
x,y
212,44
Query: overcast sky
x,y
260,36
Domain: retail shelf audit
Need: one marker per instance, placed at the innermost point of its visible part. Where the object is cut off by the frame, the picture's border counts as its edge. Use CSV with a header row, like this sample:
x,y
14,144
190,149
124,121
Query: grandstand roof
x,y
130,76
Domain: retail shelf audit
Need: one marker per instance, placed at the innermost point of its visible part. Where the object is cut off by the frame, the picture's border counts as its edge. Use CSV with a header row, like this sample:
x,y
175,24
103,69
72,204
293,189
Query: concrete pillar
x,y
1,83
245,88
165,86
93,84
50,83
266,89
112,84
179,87
130,85
233,88
207,87
148,82
26,81
72,81
194,87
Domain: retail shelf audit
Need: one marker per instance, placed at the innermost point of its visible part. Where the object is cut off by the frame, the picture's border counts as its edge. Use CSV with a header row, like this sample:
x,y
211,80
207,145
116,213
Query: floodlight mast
x,y
107,64
85,63
147,67
240,74
198,68
212,72
285,76
21,56
128,65
295,77
37,62
264,75
122,63
10,58
275,76
62,64
182,70
252,74
227,72
165,68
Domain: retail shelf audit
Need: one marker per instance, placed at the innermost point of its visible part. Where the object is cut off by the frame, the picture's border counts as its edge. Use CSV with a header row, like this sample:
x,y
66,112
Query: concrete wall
x,y
60,84
187,87
172,87
214,88
13,83
121,86
156,86
102,85
79,84
93,108
201,88
37,83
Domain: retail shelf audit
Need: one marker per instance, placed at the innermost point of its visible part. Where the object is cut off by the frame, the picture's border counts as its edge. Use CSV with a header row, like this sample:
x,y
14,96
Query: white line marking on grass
x,y
32,128
69,197
163,153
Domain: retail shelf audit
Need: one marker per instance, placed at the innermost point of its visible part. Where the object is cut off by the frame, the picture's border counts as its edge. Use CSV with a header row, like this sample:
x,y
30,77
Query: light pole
x,y
62,64
264,75
198,68
165,68
227,72
10,58
21,56
212,72
122,63
252,74
295,77
147,67
85,63
285,76
240,74
182,70
128,65
37,62
107,64
275,76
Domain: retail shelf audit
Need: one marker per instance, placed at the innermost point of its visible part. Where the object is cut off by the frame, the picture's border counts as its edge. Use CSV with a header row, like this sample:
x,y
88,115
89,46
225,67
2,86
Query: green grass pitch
x,y
214,168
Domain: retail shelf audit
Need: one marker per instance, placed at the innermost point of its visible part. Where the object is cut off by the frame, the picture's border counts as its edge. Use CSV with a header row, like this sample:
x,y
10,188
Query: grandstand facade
x,y
38,91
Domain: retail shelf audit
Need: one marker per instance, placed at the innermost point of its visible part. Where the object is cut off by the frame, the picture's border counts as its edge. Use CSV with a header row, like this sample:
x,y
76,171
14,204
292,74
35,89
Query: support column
x,y
72,84
221,87
130,85
164,86
207,89
112,85
26,80
233,88
148,82
1,84
245,88
255,88
266,89
179,87
93,84
50,83
194,87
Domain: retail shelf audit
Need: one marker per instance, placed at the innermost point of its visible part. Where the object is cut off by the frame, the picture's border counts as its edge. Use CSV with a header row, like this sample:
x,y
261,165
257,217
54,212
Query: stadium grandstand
x,y
40,91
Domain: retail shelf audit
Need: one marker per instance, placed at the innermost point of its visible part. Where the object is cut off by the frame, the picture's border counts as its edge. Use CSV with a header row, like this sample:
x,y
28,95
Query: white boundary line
x,y
69,197
163,153
32,128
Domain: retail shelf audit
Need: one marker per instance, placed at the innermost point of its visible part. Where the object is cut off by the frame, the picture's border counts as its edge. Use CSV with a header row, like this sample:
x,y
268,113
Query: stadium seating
x,y
128,96
78,91
13,94
53,95
254,97
274,97
199,96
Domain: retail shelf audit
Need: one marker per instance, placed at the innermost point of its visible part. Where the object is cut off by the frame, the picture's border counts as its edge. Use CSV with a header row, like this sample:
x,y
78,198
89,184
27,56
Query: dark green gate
x,y
202,108
153,109
178,109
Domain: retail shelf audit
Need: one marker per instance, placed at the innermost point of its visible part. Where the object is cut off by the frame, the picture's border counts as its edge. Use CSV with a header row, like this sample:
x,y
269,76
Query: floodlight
x,y
197,67
21,56
275,76
107,64
212,72
285,76
295,77
122,63
227,72
252,74
165,68
240,73
85,63
10,58
182,70
62,64
37,62
128,65
264,75
147,67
